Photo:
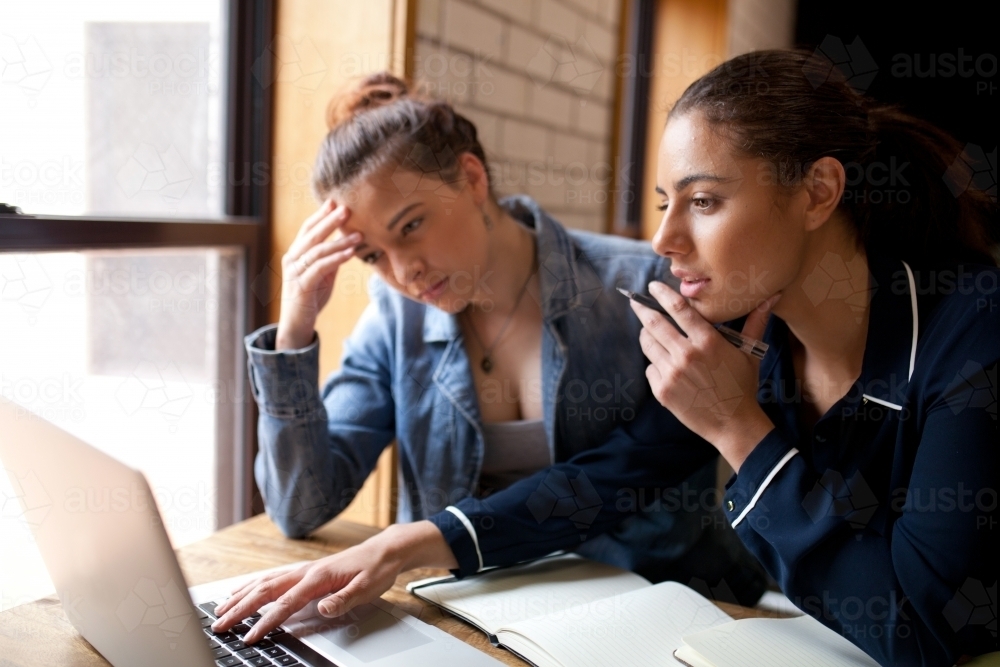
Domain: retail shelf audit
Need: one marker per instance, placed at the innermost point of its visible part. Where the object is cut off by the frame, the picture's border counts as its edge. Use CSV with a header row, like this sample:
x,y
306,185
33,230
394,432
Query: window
x,y
127,279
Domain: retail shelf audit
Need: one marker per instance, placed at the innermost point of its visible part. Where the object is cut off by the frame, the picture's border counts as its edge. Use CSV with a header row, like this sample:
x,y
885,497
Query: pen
x,y
751,346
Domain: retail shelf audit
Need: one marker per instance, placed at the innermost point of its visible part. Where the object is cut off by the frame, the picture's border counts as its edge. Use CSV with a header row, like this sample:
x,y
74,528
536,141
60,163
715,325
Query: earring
x,y
487,220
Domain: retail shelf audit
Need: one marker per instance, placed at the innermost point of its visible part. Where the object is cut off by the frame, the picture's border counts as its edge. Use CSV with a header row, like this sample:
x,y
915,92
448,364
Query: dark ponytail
x,y
903,173
378,122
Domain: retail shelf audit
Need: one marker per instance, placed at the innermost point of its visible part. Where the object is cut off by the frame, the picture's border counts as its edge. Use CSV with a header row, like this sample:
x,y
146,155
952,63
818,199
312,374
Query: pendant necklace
x,y
487,363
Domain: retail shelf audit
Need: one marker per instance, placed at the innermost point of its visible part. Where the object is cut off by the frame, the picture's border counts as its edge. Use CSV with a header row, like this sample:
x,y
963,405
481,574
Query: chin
x,y
448,304
719,308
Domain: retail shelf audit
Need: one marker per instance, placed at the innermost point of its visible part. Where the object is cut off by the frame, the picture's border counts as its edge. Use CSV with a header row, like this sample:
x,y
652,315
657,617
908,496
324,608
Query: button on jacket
x,y
881,520
405,375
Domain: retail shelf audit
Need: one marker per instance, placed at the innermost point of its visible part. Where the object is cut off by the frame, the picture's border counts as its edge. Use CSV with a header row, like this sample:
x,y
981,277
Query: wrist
x,y
292,336
415,545
737,443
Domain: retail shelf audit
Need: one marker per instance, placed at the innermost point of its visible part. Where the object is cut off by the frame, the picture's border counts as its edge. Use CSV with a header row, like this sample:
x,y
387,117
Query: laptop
x,y
100,534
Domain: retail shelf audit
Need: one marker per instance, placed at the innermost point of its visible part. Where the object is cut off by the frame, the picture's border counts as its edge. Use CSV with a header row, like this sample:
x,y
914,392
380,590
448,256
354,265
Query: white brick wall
x,y
537,79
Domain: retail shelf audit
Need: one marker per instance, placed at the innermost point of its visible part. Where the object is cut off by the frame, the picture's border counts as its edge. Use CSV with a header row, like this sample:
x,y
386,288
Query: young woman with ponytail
x,y
496,353
866,470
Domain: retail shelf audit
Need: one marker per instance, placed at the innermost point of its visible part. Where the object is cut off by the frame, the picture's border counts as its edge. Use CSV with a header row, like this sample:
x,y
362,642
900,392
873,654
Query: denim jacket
x,y
405,376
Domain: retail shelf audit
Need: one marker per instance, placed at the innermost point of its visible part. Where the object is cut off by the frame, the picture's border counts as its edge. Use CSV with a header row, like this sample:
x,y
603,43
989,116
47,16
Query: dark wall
x,y
939,63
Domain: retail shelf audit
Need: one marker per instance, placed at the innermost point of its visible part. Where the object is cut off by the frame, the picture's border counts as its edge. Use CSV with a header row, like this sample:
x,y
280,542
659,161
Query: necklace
x,y
487,363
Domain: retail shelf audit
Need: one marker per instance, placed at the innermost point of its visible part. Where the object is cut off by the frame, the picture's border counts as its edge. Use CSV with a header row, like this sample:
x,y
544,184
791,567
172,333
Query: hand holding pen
x,y
751,346
695,373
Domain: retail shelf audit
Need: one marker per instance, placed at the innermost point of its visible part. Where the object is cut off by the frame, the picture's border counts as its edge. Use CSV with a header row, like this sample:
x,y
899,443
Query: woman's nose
x,y
406,269
669,238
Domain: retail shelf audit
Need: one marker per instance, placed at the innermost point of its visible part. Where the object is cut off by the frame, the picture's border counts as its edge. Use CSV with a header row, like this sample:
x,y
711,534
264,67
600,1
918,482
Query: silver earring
x,y
487,220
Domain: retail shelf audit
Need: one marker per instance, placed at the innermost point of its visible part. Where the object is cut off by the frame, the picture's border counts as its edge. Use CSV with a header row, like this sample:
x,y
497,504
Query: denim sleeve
x,y
316,449
565,504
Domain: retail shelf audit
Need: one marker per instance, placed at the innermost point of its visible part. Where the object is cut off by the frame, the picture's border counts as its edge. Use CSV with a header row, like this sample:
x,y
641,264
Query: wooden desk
x,y
38,634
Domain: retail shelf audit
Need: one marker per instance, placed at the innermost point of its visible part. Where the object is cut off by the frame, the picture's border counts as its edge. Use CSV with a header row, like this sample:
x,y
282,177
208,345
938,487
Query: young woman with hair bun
x,y
495,352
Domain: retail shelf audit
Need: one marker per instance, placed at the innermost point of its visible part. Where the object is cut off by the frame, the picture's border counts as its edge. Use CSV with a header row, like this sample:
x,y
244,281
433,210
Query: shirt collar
x,y
567,280
885,364
885,370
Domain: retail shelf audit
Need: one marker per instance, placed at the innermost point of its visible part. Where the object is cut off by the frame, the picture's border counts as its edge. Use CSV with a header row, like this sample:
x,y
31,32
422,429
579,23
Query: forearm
x,y
565,504
295,331
295,470
314,455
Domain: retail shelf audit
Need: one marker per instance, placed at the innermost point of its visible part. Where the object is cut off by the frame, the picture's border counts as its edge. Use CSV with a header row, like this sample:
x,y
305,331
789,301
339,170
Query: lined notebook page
x,y
641,628
777,642
508,595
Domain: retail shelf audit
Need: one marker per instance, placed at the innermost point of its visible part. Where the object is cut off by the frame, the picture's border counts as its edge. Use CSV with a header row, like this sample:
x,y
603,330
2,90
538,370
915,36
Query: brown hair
x,y
792,108
379,122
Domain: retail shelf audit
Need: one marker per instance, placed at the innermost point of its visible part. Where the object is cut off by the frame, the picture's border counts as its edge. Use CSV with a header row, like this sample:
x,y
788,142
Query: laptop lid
x,y
99,532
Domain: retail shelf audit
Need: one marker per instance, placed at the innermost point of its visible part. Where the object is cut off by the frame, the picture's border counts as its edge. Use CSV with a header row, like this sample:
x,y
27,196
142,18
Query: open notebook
x,y
567,611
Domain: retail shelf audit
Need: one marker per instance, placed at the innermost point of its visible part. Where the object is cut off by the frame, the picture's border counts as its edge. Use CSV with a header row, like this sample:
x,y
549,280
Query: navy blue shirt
x,y
881,520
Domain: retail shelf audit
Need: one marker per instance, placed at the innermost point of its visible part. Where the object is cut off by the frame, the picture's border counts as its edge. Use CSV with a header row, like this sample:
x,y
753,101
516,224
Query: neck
x,y
510,264
830,321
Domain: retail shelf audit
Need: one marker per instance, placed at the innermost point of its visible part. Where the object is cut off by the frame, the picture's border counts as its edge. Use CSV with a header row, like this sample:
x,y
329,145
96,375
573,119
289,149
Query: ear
x,y
476,177
824,184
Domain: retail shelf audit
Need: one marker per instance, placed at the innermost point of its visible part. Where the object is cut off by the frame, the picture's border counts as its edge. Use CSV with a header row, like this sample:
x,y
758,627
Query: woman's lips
x,y
691,288
434,291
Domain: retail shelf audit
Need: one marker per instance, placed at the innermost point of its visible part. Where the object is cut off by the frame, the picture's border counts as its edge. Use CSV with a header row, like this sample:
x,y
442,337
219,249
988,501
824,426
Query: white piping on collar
x,y
913,307
881,402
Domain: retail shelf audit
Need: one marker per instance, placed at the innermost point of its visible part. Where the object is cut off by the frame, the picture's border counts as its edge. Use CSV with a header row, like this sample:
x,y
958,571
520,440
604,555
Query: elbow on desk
x,y
297,527
295,507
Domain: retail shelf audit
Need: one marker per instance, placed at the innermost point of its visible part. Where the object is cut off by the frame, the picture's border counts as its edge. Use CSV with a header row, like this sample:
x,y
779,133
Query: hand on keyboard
x,y
355,576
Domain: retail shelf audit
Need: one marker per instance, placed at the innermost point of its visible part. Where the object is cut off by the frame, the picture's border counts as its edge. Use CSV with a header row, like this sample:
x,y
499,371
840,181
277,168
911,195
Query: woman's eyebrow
x,y
396,218
688,180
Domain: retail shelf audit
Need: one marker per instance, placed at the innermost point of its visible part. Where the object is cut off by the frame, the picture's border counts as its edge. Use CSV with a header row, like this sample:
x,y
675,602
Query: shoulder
x,y
615,250
959,328
959,303
608,254
619,261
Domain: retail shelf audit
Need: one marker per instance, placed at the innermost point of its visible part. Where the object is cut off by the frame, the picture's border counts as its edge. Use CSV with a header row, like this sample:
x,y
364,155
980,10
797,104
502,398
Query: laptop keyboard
x,y
230,651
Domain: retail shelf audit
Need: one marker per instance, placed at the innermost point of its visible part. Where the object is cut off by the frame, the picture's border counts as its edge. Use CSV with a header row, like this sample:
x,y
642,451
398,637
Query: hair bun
x,y
374,91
